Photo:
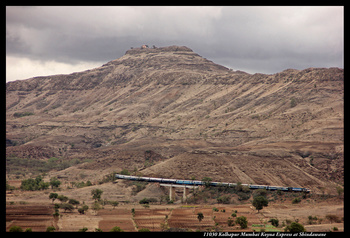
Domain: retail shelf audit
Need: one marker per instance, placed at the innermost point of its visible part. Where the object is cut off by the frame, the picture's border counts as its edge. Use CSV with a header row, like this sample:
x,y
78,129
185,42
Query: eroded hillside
x,y
170,112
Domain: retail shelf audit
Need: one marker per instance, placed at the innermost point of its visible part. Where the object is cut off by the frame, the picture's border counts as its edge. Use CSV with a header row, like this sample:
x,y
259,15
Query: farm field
x,y
37,217
175,217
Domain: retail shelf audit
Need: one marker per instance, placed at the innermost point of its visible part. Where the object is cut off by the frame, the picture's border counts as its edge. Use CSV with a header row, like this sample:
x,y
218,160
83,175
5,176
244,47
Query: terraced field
x,y
151,218
116,217
37,217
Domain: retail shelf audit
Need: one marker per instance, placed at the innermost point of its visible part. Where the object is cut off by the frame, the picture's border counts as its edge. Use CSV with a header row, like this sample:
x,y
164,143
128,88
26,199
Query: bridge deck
x,y
177,186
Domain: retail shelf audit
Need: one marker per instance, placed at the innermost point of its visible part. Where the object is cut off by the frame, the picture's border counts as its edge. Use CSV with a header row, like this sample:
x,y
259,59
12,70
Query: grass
x,y
266,228
190,206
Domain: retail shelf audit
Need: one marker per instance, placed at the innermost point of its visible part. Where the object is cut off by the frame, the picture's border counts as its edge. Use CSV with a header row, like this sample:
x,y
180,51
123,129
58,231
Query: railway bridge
x,y
172,190
187,184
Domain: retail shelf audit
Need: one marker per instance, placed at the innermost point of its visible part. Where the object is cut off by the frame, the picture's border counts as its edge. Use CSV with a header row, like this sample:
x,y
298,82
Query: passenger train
x,y
196,182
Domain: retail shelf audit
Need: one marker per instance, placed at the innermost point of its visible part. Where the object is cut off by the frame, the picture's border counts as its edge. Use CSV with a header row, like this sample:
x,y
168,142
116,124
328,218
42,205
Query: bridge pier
x,y
172,193
185,194
172,187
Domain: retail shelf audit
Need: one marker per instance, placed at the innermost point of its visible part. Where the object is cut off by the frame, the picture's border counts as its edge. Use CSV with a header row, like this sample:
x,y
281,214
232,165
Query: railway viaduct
x,y
172,190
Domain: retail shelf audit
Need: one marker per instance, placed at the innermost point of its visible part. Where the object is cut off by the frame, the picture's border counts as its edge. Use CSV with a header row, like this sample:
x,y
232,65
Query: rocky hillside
x,y
170,112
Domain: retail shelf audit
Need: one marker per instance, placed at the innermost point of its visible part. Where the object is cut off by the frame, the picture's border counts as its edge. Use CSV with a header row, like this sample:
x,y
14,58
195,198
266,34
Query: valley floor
x,y
38,216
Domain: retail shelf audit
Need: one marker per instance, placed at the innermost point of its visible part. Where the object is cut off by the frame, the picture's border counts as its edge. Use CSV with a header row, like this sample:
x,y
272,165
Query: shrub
x,y
274,222
296,200
125,172
230,222
260,192
243,196
139,186
225,199
333,218
207,181
242,221
200,216
84,229
96,194
147,200
295,227
22,114
16,229
50,229
293,102
116,229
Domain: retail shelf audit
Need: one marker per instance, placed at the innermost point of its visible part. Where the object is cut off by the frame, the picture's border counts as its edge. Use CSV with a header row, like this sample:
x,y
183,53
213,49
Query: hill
x,y
169,112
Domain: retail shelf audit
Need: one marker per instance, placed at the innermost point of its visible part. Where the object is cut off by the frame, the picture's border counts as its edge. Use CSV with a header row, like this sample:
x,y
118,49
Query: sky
x,y
51,40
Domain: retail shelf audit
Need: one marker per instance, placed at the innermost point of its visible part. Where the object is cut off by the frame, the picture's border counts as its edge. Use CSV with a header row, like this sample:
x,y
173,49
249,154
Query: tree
x,y
96,194
83,209
34,184
62,198
74,202
53,196
114,204
260,202
200,216
295,227
96,207
242,221
67,206
54,182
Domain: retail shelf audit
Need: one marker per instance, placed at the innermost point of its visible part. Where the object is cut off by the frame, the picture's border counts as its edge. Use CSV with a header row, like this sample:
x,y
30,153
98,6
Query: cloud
x,y
23,68
258,39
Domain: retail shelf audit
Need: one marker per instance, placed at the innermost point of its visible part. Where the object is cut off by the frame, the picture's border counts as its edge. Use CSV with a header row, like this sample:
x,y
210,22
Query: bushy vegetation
x,y
34,184
222,194
242,221
295,227
148,200
22,114
22,166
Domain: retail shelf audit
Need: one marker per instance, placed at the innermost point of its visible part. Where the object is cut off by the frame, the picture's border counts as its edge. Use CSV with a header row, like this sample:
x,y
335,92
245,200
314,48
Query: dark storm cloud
x,y
255,39
270,39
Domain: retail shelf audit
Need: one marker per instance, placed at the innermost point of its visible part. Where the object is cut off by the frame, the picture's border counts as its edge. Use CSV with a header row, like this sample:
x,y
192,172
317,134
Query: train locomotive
x,y
215,184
